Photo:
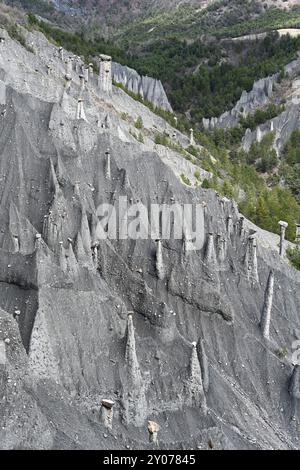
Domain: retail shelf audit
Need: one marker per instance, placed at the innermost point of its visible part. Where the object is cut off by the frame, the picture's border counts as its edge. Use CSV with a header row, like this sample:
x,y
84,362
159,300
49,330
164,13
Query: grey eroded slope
x,y
264,92
78,345
148,88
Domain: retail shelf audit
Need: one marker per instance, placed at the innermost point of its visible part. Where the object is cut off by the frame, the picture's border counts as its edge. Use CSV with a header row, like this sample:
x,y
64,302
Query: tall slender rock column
x,y
192,139
252,259
68,66
82,82
159,260
153,429
71,259
80,110
221,248
134,397
242,226
107,413
229,225
130,353
61,53
38,239
203,364
68,82
210,254
62,257
107,164
194,385
267,308
86,74
283,226
297,239
105,73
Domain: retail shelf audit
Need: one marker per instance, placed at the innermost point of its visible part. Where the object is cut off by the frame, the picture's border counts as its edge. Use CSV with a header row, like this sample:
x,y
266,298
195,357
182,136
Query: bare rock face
x,y
17,388
85,320
120,10
148,88
282,125
259,95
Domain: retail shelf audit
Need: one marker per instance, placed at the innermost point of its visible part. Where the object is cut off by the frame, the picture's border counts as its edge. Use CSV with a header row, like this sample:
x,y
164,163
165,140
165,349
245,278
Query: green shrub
x,y
15,33
293,255
192,150
207,184
268,162
261,115
186,180
282,353
227,189
162,139
139,123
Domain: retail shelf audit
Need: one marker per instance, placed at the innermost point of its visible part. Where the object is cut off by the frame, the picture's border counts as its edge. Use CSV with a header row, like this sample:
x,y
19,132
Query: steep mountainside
x,y
112,13
200,342
223,76
113,10
145,7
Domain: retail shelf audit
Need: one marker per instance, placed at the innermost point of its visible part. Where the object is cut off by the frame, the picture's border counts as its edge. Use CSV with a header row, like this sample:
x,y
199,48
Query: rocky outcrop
x,y
258,97
261,94
150,89
87,320
282,126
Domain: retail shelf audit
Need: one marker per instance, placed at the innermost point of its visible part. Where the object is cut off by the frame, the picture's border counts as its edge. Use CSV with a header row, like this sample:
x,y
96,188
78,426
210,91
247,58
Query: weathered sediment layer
x,y
148,88
84,319
259,96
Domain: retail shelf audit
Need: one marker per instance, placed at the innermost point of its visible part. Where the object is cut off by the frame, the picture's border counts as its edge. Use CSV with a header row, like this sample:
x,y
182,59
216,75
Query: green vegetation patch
x,y
294,256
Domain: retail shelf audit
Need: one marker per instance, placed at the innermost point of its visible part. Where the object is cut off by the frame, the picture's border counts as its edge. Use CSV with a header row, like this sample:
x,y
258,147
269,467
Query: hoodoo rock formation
x,y
127,343
264,92
261,95
148,88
